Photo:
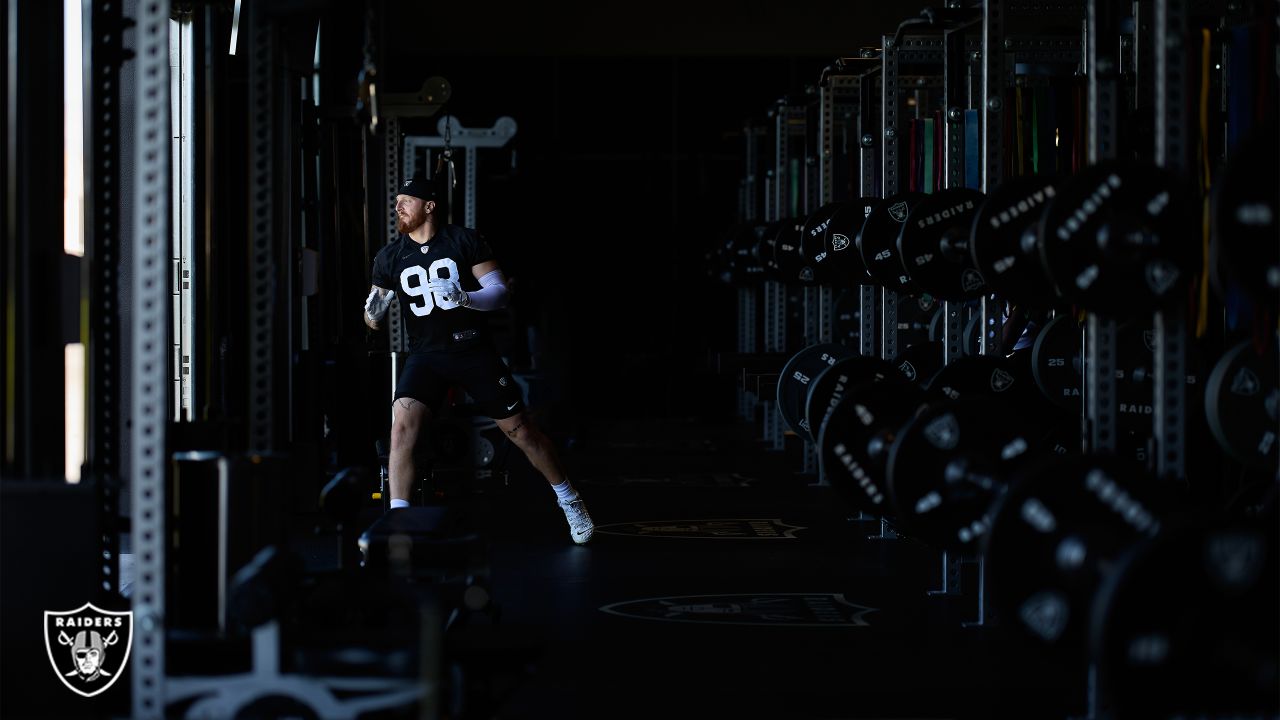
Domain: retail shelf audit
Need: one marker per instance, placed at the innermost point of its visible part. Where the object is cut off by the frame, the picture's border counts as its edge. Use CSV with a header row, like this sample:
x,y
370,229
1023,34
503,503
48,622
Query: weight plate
x,y
1186,624
995,376
831,383
1241,396
1003,241
1246,210
1054,533
797,375
915,312
974,375
1114,240
1055,362
937,325
1062,428
948,464
1056,366
766,247
1135,378
840,250
878,242
741,257
792,267
813,245
934,245
855,436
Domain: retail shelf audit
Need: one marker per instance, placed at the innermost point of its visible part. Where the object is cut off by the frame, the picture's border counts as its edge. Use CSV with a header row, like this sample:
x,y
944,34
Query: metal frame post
x,y
1171,151
150,304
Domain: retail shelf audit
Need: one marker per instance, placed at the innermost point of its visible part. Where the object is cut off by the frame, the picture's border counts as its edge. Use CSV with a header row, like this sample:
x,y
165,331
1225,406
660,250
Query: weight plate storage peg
x,y
1114,240
934,245
797,375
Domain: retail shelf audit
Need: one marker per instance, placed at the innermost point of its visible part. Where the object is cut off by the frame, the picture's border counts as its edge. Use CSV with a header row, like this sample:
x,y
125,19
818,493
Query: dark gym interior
x,y
914,360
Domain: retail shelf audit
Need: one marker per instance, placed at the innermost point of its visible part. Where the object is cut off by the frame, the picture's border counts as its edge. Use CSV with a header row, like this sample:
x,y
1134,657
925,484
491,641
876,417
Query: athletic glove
x,y
449,291
375,306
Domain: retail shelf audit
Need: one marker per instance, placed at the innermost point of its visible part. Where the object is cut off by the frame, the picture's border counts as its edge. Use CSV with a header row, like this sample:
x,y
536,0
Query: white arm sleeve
x,y
492,294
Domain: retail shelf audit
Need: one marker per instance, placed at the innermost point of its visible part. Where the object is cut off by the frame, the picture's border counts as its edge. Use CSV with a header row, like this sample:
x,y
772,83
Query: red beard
x,y
407,224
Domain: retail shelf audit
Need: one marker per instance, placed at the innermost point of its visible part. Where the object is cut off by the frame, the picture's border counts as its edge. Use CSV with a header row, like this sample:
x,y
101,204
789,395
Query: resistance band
x,y
927,155
972,151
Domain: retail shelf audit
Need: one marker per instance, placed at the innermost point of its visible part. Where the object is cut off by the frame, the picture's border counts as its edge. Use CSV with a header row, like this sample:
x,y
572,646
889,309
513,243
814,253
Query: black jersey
x,y
430,322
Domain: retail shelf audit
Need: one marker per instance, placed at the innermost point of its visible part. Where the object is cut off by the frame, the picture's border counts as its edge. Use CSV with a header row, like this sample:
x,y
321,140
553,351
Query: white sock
x,y
398,503
565,492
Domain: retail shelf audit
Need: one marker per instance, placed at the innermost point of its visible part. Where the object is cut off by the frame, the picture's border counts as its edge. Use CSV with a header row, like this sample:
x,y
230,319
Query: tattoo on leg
x,y
405,403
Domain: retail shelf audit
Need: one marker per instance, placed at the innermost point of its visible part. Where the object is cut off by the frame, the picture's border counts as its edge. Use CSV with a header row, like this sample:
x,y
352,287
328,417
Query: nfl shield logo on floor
x,y
88,647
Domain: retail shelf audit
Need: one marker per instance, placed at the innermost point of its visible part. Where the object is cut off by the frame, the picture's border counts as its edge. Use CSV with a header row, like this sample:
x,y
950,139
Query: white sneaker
x,y
580,525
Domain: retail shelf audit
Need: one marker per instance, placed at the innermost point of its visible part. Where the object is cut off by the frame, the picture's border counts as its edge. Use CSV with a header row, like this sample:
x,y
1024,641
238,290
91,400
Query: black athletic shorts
x,y
478,370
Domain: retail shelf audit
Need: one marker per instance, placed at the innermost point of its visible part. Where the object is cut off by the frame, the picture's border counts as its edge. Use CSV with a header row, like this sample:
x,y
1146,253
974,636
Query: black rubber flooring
x,y
722,583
